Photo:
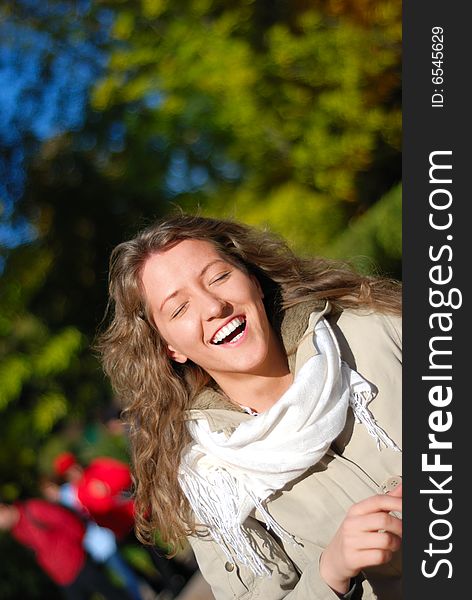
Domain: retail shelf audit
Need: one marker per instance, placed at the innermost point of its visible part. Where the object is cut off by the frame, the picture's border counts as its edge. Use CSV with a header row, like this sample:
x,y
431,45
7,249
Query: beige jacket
x,y
312,507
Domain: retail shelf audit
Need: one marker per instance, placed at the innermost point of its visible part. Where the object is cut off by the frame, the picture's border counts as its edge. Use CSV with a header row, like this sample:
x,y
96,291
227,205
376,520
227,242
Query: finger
x,y
372,504
380,521
379,541
371,558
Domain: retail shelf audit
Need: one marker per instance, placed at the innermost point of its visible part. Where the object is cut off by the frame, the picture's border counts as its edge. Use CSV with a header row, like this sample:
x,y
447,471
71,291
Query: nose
x,y
214,307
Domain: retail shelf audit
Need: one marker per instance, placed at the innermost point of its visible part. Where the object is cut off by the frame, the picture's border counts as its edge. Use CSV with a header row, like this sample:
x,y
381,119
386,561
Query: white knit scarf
x,y
225,478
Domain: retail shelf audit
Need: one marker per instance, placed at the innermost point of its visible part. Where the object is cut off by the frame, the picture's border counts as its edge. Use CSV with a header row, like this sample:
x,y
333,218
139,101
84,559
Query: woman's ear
x,y
174,354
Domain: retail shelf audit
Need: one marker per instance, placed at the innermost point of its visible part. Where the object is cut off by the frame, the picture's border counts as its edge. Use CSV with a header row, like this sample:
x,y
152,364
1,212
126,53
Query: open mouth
x,y
231,332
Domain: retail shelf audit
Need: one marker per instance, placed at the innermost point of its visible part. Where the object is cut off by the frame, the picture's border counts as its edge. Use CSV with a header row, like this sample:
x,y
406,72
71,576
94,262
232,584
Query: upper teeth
x,y
227,329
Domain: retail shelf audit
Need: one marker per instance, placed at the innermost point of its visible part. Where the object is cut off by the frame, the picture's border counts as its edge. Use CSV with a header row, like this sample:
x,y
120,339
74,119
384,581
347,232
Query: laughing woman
x,y
263,394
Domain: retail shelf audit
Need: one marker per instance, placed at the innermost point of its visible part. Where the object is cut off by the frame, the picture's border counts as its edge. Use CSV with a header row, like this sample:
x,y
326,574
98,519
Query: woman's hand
x,y
368,536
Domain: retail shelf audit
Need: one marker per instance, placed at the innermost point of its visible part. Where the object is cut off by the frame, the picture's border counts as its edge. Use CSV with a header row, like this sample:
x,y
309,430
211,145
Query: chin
x,y
251,366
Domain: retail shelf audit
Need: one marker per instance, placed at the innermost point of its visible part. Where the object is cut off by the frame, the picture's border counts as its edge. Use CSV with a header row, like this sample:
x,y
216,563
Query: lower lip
x,y
237,343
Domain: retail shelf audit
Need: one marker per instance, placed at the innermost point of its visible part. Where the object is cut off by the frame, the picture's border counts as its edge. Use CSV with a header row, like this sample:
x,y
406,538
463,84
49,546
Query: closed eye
x,y
179,311
221,277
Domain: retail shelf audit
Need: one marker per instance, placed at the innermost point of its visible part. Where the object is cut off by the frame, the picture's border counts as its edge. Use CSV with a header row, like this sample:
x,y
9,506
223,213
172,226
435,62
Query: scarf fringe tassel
x,y
359,402
216,503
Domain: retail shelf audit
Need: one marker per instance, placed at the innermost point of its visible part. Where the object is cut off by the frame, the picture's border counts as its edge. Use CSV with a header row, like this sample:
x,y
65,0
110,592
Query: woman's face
x,y
209,311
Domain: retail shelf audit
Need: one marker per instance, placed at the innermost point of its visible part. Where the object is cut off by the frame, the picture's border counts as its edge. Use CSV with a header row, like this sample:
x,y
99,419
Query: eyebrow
x,y
202,273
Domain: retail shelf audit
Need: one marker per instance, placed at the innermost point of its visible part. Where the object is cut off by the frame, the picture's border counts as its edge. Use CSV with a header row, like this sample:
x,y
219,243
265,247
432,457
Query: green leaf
x,y
15,370
57,354
50,408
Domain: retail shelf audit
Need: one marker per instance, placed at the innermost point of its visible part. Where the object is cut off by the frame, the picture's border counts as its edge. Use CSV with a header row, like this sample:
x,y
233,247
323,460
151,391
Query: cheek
x,y
257,298
246,290
181,335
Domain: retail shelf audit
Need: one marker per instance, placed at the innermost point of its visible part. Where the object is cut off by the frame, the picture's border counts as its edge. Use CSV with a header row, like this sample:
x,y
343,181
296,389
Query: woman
x,y
263,396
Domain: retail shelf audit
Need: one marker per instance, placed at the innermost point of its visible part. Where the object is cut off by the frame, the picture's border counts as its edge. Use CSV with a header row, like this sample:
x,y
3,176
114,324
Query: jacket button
x,y
390,484
229,566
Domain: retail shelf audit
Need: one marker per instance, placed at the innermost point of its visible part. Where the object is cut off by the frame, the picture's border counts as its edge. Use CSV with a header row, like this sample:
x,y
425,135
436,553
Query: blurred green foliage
x,y
33,360
288,113
374,240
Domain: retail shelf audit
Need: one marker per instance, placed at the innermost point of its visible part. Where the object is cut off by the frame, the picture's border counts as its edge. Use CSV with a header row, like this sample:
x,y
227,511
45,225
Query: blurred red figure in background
x,y
55,535
103,490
